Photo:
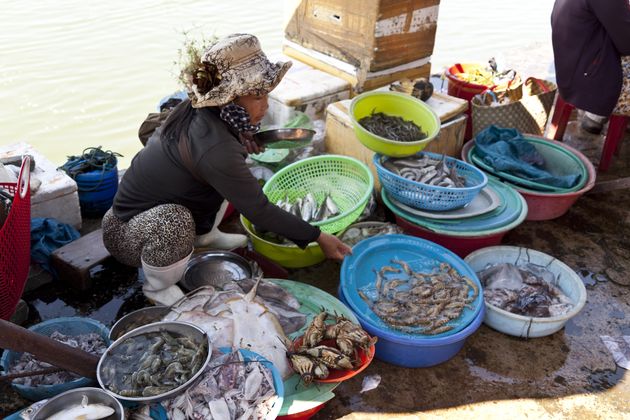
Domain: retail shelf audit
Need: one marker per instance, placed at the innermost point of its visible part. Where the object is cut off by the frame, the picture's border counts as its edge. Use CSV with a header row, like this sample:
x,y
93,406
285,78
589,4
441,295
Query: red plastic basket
x,y
15,243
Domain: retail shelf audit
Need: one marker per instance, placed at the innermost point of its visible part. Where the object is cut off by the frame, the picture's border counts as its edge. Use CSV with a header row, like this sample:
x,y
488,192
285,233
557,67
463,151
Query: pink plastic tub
x,y
547,206
460,245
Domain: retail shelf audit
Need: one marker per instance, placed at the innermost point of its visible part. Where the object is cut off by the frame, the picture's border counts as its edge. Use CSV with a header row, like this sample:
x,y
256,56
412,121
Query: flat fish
x,y
290,319
258,329
84,411
194,300
269,290
220,329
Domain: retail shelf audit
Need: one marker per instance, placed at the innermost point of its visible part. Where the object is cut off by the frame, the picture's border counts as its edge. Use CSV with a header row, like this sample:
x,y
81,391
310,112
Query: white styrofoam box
x,y
303,89
58,196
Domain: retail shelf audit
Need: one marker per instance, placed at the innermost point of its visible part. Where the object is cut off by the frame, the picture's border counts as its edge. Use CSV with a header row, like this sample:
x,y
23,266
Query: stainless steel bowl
x,y
74,397
215,268
137,319
285,138
189,330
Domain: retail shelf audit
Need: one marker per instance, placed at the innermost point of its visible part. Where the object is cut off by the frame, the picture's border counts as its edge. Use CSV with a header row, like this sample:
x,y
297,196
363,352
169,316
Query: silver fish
x,y
332,206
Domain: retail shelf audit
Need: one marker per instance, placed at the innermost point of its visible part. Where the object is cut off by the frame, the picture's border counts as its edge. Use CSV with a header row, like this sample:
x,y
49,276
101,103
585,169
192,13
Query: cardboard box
x,y
58,196
371,34
304,89
341,139
360,78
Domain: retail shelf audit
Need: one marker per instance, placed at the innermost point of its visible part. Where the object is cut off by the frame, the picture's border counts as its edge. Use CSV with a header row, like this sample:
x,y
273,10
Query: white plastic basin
x,y
525,326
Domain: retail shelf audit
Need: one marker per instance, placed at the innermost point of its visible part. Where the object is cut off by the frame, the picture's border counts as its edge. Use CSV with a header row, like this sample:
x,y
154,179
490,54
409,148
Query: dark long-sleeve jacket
x,y
589,36
158,175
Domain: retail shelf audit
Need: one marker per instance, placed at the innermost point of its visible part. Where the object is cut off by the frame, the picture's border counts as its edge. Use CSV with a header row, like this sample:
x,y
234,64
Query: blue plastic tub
x,y
431,197
67,326
417,352
357,273
97,190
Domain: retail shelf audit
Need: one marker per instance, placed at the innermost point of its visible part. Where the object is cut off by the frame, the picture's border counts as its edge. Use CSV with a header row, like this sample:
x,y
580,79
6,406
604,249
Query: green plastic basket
x,y
348,181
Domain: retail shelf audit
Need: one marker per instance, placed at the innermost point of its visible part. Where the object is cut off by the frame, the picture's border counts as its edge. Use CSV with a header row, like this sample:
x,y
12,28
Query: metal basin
x,y
74,397
190,331
285,138
216,268
137,319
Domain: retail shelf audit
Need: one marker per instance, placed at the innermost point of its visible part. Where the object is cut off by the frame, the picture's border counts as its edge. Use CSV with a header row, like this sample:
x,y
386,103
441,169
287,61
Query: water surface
x,y
80,73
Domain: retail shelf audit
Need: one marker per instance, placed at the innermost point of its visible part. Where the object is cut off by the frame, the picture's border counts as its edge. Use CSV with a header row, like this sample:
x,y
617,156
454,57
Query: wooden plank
x,y
608,186
74,260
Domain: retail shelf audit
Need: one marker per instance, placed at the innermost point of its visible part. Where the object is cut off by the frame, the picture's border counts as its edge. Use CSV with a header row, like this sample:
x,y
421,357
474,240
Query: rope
x,y
92,159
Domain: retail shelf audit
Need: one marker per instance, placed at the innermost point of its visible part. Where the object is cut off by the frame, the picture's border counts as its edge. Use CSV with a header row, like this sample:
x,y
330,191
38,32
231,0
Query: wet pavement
x,y
569,374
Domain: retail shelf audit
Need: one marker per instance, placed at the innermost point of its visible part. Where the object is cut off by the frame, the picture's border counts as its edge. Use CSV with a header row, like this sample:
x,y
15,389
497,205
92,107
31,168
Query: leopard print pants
x,y
159,236
623,103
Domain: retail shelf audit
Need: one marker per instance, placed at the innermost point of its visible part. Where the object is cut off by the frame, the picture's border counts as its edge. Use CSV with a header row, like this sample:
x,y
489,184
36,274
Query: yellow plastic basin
x,y
289,256
399,105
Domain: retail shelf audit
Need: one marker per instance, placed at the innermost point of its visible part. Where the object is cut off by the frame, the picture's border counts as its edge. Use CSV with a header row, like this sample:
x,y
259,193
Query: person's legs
x,y
160,240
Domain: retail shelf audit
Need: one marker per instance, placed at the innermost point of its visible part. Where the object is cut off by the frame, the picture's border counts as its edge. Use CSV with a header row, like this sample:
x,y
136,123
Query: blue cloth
x,y
46,236
506,150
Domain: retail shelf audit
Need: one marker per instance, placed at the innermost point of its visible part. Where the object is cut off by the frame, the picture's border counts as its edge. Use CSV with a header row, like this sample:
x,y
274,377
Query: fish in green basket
x,y
308,209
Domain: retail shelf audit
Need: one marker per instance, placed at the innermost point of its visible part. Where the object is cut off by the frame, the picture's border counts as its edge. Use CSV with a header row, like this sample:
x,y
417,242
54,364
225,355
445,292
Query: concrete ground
x,y
570,374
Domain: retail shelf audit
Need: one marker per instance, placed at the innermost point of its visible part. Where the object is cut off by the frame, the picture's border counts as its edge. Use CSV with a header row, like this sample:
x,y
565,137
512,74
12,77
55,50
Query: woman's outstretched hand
x,y
332,246
250,144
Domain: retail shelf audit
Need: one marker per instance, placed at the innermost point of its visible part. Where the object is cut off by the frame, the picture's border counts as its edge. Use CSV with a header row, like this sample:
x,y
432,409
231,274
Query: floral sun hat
x,y
235,66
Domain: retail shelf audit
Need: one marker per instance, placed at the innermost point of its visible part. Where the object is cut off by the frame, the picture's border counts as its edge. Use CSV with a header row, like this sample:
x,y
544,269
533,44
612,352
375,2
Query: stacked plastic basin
x,y
545,201
483,221
408,348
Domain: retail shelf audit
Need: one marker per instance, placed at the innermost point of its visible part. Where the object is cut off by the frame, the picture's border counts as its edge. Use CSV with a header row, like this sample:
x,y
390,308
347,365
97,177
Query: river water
x,y
80,73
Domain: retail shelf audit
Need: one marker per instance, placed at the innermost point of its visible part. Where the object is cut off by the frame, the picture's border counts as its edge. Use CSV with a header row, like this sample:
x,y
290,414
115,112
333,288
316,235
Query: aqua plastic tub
x,y
547,206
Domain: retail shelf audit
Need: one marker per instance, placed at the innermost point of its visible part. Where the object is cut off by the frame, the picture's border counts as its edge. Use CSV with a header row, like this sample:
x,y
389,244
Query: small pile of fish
x,y
91,343
526,289
151,364
230,388
258,319
392,127
83,411
312,359
355,234
420,303
426,171
308,209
